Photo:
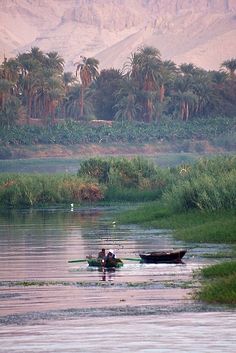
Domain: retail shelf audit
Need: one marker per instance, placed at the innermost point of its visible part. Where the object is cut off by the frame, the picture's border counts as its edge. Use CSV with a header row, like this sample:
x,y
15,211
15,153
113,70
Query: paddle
x,y
124,258
80,260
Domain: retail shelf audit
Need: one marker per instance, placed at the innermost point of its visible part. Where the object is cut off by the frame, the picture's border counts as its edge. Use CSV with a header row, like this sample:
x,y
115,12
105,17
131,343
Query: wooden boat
x,y
163,256
114,263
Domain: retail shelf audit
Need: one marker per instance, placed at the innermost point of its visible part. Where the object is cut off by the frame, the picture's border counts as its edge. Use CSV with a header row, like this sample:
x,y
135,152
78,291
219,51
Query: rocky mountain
x,y
199,31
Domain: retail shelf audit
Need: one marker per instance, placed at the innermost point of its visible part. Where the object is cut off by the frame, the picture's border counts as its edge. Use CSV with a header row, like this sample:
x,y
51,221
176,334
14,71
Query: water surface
x,y
69,307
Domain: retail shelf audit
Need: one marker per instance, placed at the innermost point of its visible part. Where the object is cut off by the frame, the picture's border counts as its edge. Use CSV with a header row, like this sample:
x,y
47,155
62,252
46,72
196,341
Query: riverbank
x,y
196,227
86,150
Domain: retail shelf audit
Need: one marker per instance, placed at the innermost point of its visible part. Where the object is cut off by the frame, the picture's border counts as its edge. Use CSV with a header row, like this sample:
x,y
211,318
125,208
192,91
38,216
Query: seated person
x,y
111,254
110,258
102,254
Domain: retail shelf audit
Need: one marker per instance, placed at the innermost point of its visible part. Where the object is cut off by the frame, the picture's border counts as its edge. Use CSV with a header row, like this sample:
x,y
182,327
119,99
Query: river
x,y
50,305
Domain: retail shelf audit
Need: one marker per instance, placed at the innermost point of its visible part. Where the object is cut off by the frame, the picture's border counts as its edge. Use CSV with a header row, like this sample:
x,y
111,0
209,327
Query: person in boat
x,y
111,255
110,258
102,254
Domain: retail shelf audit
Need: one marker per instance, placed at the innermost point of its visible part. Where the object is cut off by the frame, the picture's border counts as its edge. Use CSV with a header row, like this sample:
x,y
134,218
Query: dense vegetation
x,y
25,190
219,283
34,86
207,185
219,131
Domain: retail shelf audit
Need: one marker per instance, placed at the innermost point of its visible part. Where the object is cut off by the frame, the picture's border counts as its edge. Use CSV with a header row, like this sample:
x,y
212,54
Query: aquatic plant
x,y
35,189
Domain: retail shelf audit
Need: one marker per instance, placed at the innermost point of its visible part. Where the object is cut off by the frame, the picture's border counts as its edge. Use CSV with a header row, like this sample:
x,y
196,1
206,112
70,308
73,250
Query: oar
x,y
80,260
130,259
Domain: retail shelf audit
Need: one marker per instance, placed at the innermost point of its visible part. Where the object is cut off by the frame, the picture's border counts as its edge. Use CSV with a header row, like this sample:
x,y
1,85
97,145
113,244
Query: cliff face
x,y
198,31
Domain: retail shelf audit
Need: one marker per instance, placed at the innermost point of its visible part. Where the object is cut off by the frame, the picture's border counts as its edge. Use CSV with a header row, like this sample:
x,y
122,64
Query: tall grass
x,y
30,190
209,185
219,284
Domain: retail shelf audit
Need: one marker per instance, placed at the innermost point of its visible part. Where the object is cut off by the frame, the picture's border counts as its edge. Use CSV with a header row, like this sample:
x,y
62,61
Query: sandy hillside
x,y
199,31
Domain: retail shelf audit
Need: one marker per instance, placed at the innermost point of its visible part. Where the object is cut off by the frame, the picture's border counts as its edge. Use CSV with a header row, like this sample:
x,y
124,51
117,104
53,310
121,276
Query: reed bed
x,y
27,190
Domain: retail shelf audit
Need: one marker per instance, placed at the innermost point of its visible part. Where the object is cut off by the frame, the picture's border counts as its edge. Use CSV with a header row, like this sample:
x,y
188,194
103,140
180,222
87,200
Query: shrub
x,y
95,168
207,185
121,173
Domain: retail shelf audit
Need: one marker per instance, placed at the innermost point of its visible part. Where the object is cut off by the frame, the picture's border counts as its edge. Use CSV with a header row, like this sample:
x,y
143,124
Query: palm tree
x,y
169,71
145,70
187,69
73,101
183,97
37,54
67,79
5,87
104,92
54,62
29,69
9,70
88,71
230,65
49,94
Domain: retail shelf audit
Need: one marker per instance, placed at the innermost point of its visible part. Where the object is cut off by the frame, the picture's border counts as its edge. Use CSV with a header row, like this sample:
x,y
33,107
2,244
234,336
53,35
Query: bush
x,y
96,168
207,185
121,173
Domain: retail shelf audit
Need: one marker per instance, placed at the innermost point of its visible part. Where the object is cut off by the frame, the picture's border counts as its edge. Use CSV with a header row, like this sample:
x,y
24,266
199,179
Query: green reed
x,y
17,190
219,283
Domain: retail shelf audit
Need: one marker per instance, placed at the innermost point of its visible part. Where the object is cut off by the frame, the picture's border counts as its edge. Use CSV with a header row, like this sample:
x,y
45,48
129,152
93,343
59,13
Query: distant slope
x,y
199,31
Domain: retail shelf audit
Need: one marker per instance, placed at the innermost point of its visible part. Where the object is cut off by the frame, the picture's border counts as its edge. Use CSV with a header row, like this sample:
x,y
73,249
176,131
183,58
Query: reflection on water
x,y
36,245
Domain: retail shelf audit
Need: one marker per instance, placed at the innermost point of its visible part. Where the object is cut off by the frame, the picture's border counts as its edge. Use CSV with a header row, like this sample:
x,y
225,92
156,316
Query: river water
x,y
50,305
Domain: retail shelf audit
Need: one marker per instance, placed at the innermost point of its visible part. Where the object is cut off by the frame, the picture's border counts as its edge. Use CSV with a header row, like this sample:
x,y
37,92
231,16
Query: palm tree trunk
x,y
186,111
162,93
182,111
81,103
29,108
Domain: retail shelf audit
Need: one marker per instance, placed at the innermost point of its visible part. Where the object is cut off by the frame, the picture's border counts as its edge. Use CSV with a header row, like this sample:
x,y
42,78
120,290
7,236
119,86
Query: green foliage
x,y
192,226
130,194
209,184
69,132
28,190
219,270
9,113
147,89
97,168
220,284
147,214
132,180
104,94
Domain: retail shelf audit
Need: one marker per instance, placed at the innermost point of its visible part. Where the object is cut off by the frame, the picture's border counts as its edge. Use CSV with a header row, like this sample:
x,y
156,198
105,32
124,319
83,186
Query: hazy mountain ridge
x,y
202,32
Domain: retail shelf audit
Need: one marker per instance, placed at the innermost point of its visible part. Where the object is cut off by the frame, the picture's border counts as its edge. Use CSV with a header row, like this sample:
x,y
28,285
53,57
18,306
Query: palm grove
x,y
34,85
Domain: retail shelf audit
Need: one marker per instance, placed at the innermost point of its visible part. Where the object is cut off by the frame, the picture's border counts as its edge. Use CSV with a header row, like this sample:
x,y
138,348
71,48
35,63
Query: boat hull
x,y
116,263
163,256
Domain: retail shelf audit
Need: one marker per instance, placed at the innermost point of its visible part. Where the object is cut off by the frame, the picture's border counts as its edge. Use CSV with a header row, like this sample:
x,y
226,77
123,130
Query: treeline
x,y
34,85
